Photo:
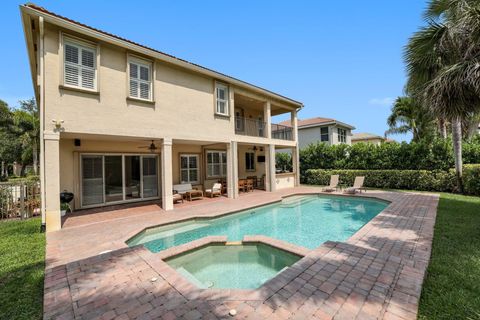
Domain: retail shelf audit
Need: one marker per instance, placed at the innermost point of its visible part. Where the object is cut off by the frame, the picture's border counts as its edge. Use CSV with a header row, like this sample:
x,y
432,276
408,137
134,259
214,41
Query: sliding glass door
x,y
118,178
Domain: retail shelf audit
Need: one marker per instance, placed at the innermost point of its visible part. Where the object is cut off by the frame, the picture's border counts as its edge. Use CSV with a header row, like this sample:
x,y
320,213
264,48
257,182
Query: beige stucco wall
x,y
372,141
183,108
285,180
259,166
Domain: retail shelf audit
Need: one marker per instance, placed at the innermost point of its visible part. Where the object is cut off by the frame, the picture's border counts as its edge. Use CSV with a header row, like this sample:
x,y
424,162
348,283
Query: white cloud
x,y
381,101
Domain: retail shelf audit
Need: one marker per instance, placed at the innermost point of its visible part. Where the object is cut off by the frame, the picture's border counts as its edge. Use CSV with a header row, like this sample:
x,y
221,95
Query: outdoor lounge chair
x,y
215,190
357,185
187,191
333,183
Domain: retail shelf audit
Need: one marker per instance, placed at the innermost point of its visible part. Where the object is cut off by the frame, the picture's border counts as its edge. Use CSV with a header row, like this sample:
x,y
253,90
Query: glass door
x,y
113,179
132,178
150,177
92,180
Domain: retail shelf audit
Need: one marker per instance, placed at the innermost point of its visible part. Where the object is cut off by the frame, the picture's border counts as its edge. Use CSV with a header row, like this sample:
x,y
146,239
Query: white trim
x,y
226,100
140,62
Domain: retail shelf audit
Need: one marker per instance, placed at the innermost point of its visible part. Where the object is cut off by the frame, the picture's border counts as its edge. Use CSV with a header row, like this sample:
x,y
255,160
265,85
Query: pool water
x,y
306,221
232,266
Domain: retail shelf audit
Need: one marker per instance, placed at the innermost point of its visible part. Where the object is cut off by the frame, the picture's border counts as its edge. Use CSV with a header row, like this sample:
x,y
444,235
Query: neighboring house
x,y
122,122
366,137
325,130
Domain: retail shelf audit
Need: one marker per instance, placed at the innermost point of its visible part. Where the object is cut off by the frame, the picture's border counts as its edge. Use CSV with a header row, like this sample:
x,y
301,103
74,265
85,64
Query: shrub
x,y
422,180
471,179
432,155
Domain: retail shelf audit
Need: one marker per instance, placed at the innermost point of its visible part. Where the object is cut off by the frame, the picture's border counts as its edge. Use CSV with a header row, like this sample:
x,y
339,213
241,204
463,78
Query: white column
x,y
267,118
167,179
232,170
51,193
270,179
295,151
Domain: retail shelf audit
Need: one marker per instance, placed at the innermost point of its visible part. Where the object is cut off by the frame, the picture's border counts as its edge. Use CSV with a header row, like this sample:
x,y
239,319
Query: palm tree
x,y
408,116
443,65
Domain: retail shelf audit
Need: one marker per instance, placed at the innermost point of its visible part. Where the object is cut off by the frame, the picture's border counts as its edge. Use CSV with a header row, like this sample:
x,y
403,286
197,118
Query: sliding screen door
x,y
150,177
132,177
92,180
113,179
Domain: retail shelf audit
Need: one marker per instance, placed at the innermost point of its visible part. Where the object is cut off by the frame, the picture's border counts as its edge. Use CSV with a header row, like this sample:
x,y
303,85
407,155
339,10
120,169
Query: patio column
x,y
232,170
270,184
267,118
51,194
295,150
167,179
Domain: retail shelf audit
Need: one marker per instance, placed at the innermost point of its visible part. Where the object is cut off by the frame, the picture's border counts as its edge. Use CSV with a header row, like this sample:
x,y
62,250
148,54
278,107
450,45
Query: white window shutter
x,y
79,66
140,81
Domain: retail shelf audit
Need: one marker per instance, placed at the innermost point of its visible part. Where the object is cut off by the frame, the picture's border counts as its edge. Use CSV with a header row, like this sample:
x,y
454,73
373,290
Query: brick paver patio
x,y
376,274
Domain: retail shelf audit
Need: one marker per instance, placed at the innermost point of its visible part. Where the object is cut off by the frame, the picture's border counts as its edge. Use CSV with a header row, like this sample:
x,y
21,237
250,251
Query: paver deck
x,y
376,274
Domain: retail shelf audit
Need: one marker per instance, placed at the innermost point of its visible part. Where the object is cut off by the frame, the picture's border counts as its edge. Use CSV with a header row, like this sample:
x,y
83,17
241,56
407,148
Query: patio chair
x,y
333,183
215,190
357,185
242,185
177,197
249,185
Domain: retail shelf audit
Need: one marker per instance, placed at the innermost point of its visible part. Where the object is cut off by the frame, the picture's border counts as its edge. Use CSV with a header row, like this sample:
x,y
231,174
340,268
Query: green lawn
x,y
22,255
451,289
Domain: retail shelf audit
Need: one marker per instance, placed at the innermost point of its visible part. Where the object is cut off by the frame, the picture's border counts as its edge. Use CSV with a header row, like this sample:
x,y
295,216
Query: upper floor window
x,y
221,94
80,67
140,81
342,135
324,134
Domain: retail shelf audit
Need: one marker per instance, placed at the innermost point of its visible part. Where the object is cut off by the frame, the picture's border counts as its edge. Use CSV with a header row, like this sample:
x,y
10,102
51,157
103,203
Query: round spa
x,y
242,266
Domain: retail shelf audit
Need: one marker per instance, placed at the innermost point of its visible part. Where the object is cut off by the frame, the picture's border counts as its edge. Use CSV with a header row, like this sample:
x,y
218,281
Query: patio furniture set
x,y
335,185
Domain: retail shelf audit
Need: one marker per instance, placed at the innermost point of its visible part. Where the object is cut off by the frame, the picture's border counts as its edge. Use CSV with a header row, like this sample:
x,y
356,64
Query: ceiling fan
x,y
152,147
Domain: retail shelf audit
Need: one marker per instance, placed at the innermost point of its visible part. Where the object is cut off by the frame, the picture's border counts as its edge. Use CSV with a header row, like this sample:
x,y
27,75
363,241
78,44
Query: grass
x,y
22,263
451,289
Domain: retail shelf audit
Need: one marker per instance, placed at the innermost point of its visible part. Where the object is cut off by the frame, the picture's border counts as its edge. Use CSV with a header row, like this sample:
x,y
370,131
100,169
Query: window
x,y
189,168
221,92
342,135
324,134
80,68
250,161
216,164
140,79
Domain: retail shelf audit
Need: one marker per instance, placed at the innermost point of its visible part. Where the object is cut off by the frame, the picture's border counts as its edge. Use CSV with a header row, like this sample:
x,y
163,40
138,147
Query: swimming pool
x,y
306,221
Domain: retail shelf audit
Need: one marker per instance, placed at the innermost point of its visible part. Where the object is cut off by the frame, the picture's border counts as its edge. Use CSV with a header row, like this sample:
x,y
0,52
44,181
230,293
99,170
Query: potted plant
x,y
63,208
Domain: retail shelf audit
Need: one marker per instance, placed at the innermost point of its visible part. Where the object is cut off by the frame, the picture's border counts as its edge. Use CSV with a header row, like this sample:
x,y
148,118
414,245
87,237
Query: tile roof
x,y
366,136
315,121
45,11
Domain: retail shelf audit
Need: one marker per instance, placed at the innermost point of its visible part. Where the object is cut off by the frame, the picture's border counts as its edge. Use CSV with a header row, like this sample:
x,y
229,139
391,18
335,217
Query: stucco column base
x,y
270,182
51,194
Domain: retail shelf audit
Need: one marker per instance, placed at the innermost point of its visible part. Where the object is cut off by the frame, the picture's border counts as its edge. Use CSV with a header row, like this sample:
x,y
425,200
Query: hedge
x,y
427,155
422,180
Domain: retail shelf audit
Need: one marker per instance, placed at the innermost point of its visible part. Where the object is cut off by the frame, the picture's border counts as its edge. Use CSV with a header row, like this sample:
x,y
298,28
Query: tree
x,y
409,116
443,65
27,127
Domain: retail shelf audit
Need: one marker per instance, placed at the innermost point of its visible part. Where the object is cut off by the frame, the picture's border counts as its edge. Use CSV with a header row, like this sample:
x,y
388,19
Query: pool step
x,y
292,202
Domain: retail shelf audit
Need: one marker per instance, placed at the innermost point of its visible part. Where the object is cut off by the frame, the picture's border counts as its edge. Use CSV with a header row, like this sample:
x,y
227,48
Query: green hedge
x,y
427,155
422,180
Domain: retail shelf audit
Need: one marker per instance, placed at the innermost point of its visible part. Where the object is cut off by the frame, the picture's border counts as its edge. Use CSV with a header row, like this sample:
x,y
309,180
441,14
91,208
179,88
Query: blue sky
x,y
342,59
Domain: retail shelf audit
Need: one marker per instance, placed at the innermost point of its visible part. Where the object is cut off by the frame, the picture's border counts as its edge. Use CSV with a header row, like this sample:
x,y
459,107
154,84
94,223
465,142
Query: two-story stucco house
x,y
365,137
121,122
326,130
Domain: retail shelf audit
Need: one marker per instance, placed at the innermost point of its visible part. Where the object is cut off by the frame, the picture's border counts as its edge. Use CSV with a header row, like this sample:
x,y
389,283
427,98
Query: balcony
x,y
282,132
256,128
250,127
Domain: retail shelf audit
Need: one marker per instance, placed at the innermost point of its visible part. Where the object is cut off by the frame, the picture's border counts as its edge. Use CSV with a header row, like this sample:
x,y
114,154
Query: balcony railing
x,y
249,127
256,128
282,132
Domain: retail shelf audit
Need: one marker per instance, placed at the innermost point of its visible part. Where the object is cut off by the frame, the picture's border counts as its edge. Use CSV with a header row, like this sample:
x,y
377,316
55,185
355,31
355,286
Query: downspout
x,y
42,121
